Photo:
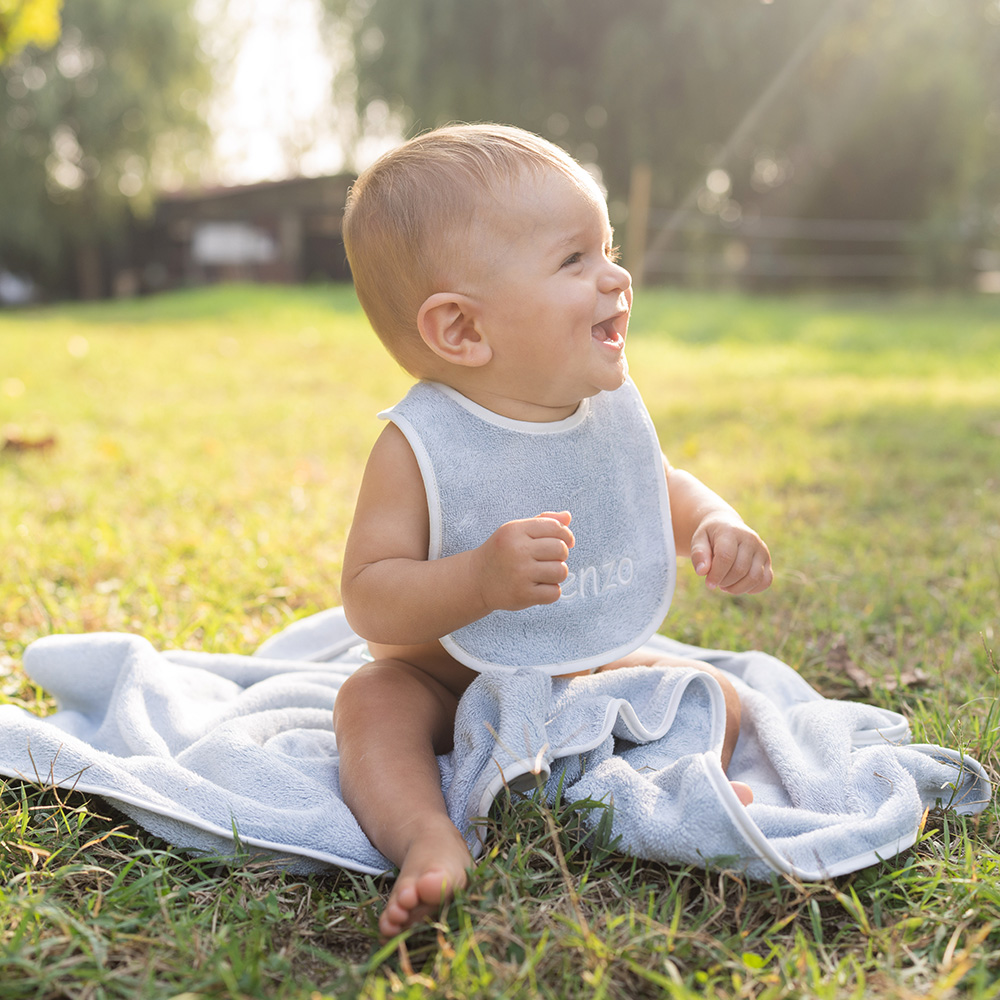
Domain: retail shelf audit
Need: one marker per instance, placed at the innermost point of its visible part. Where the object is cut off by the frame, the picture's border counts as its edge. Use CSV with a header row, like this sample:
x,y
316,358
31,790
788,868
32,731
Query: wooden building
x,y
284,231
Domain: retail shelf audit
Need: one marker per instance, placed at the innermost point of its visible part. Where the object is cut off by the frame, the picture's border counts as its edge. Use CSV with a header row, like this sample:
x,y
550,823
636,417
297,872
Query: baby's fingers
x,y
550,550
751,572
739,563
553,525
727,566
562,516
759,577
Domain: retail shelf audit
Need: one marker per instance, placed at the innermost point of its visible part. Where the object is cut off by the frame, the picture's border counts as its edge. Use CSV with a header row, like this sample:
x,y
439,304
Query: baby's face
x,y
554,303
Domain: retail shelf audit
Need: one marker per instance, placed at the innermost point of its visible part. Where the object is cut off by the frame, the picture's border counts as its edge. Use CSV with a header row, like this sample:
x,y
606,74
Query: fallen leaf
x,y
907,679
18,443
839,661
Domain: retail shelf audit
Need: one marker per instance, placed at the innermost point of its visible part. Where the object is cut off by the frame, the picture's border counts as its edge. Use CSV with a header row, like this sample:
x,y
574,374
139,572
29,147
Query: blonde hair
x,y
407,214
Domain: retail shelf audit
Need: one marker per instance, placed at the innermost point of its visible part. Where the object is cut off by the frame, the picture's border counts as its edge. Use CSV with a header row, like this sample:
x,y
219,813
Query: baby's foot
x,y
743,792
433,869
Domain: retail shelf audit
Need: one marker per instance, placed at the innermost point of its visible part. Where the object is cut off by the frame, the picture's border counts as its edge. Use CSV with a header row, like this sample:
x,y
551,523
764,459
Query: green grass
x,y
208,449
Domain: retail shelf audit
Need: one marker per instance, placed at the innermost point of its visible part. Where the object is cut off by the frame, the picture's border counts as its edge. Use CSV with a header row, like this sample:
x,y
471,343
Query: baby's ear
x,y
447,325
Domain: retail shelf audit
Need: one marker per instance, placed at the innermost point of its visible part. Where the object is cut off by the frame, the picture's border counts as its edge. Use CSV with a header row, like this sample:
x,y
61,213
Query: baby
x,y
483,257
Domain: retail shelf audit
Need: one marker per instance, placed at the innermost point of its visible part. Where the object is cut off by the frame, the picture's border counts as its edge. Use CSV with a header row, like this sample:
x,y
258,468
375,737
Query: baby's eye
x,y
573,258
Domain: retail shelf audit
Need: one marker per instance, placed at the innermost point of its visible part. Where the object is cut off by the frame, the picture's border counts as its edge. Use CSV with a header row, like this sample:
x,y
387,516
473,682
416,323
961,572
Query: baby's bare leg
x,y
732,699
391,719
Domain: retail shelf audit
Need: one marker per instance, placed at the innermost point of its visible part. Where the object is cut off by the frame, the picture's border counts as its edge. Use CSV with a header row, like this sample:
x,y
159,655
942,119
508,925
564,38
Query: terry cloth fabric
x,y
227,754
604,465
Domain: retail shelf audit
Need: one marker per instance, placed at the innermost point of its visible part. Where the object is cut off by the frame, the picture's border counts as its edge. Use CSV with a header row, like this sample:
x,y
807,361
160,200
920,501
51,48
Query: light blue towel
x,y
195,746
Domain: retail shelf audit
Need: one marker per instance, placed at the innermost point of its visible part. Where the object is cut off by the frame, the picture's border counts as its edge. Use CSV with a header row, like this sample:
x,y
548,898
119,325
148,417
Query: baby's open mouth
x,y
607,332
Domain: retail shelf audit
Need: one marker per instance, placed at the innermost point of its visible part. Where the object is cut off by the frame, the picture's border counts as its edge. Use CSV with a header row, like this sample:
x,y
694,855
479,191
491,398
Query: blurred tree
x,y
89,129
28,22
614,83
897,118
890,110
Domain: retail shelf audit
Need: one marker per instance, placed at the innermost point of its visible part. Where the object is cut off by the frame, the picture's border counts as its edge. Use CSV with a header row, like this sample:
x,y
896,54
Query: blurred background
x,y
763,145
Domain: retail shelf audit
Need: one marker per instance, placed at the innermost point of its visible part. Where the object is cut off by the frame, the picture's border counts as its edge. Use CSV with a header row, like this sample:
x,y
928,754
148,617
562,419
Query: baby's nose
x,y
615,278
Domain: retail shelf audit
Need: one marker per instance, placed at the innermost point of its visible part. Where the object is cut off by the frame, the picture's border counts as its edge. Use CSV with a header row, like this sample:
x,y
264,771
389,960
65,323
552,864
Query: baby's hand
x,y
731,556
523,562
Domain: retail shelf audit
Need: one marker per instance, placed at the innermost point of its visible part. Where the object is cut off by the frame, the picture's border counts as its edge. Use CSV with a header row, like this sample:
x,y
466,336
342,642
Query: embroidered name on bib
x,y
592,581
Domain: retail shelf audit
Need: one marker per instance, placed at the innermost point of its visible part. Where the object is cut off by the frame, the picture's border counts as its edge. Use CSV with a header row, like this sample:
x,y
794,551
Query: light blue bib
x,y
603,464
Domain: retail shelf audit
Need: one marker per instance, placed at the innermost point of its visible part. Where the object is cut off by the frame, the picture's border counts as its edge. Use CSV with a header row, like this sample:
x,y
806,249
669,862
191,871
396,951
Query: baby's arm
x,y
394,595
731,556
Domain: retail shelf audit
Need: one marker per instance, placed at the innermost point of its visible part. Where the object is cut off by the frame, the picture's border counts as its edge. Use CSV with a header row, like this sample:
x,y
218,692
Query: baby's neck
x,y
523,409
511,405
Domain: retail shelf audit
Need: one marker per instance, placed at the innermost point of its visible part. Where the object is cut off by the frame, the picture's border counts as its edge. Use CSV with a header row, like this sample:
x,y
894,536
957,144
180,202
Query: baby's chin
x,y
621,373
612,383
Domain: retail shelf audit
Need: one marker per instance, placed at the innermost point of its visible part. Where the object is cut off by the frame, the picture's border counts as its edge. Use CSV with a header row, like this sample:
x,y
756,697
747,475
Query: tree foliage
x,y
877,109
636,79
27,22
89,128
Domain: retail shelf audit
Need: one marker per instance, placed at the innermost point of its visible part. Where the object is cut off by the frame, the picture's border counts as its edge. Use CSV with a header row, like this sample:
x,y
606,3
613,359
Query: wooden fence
x,y
772,253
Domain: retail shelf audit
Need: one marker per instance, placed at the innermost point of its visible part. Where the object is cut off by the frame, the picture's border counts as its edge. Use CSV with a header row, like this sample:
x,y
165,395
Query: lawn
x,y
206,449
